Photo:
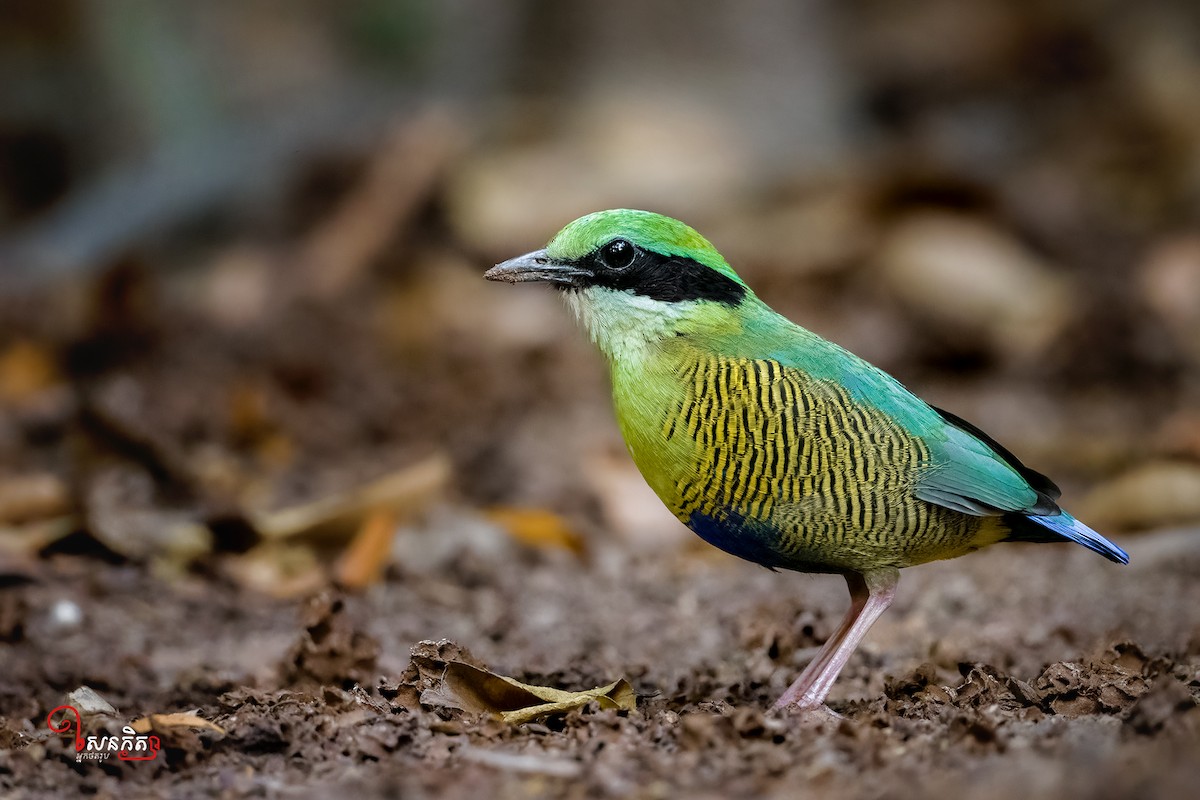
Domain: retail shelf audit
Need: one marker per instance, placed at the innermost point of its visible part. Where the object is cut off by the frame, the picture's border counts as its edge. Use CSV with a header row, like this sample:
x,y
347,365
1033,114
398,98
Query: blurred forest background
x,y
246,349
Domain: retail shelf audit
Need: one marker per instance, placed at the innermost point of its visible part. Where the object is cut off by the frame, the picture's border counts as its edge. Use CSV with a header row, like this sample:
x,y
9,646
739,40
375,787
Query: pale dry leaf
x,y
160,722
367,556
337,517
516,702
537,527
88,701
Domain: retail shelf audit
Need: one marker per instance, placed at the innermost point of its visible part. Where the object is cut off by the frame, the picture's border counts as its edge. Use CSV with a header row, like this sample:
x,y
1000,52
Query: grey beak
x,y
537,266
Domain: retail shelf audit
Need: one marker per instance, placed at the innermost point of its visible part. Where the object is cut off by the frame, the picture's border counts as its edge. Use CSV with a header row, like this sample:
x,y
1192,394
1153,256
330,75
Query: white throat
x,y
624,325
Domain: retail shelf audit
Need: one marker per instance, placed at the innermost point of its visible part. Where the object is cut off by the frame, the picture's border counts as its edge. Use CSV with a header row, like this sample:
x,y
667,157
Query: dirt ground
x,y
1022,671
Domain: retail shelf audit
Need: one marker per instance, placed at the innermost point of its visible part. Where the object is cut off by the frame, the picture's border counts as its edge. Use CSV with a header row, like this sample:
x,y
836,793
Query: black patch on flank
x,y
669,279
1047,490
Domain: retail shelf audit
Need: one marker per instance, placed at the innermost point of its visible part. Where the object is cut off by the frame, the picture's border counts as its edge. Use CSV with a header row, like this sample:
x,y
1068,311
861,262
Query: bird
x,y
774,444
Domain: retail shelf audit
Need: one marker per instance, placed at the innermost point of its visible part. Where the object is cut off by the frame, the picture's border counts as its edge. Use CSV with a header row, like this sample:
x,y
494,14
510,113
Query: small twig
x,y
400,176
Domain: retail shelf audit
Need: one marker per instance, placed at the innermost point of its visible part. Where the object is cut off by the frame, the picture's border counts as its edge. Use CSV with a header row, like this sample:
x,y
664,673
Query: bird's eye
x,y
617,254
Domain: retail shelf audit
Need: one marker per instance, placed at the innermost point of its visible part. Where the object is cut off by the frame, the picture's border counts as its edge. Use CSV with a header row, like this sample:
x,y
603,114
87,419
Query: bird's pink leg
x,y
870,595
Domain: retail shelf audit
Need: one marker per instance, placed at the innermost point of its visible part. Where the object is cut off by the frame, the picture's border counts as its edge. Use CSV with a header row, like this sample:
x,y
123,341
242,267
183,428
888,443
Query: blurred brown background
x,y
999,202
245,346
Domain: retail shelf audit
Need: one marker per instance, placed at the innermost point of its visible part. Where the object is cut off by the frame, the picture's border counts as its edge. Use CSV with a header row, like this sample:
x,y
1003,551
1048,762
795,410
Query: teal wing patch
x,y
970,471
974,474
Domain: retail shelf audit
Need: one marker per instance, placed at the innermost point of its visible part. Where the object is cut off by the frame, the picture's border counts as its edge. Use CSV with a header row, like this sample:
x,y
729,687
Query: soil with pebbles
x,y
1029,670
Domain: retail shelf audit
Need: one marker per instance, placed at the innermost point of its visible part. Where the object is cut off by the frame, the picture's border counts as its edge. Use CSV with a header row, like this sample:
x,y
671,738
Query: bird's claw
x,y
818,712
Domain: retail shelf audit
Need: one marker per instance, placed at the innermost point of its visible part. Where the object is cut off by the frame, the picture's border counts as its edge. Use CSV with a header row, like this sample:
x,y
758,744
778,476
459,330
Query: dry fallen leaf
x,y
24,541
538,528
516,702
26,368
277,569
35,496
88,702
405,491
160,722
365,559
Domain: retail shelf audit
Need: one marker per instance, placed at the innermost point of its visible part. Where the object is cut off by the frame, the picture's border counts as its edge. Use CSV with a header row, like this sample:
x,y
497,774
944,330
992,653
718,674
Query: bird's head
x,y
633,277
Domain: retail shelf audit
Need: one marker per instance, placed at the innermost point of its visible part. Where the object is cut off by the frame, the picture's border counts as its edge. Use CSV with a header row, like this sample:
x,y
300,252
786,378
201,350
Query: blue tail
x,y
1068,527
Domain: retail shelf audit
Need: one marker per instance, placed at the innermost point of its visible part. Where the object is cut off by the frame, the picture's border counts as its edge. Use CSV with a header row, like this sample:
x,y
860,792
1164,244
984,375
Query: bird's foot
x,y
809,711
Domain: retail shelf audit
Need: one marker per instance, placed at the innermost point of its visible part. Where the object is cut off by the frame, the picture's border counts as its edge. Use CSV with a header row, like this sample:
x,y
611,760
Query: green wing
x,y
975,474
968,471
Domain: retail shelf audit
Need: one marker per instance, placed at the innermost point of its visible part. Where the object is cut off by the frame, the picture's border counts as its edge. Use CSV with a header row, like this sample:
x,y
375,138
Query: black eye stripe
x,y
669,279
